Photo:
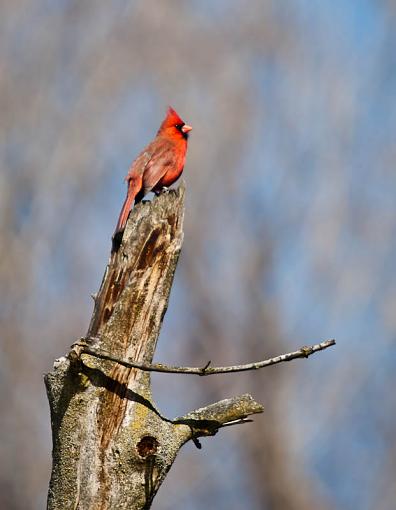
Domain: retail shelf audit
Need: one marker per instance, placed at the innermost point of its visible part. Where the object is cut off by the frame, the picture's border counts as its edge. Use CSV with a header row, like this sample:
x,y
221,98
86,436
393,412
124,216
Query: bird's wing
x,y
160,162
139,165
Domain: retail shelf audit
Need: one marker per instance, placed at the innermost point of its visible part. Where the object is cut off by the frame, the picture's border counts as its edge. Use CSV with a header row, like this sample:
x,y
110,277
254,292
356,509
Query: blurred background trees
x,y
290,230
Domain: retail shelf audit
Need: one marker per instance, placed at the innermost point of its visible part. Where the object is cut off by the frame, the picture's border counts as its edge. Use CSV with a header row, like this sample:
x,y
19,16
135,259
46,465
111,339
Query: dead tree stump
x,y
112,448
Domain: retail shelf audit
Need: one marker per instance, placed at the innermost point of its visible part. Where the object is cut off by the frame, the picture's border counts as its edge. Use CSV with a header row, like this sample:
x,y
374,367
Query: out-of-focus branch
x,y
306,351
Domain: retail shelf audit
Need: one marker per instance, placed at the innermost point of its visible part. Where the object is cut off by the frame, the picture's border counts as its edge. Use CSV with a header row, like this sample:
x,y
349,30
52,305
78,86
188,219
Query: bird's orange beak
x,y
186,128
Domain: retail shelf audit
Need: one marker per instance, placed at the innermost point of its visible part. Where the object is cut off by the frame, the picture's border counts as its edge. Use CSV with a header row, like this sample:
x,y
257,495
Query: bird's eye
x,y
179,126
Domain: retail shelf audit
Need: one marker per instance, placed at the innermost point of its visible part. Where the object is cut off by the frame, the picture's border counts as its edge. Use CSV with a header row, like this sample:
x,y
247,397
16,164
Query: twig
x,y
82,348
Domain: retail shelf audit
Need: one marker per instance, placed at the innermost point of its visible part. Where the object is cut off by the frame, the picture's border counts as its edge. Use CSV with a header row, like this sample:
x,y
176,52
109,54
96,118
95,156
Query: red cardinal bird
x,y
158,166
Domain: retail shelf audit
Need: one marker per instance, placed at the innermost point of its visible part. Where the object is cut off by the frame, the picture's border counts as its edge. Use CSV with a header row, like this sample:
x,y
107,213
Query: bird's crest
x,y
172,118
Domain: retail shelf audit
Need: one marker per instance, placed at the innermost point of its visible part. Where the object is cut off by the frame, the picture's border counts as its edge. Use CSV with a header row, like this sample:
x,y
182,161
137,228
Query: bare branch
x,y
207,421
82,348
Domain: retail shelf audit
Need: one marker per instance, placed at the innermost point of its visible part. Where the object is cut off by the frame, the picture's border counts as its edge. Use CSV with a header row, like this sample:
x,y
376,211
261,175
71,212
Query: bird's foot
x,y
164,189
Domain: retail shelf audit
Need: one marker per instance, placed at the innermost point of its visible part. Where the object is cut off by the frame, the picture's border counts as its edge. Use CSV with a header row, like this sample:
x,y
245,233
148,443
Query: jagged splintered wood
x,y
112,448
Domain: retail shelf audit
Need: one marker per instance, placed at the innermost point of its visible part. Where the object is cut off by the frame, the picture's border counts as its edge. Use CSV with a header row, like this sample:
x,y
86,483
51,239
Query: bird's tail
x,y
122,219
134,186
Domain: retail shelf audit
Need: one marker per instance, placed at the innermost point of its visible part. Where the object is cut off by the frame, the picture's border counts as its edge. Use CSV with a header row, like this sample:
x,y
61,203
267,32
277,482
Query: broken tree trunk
x,y
112,448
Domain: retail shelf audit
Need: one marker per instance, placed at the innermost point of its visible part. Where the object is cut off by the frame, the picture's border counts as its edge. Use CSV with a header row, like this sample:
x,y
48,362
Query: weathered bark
x,y
112,448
